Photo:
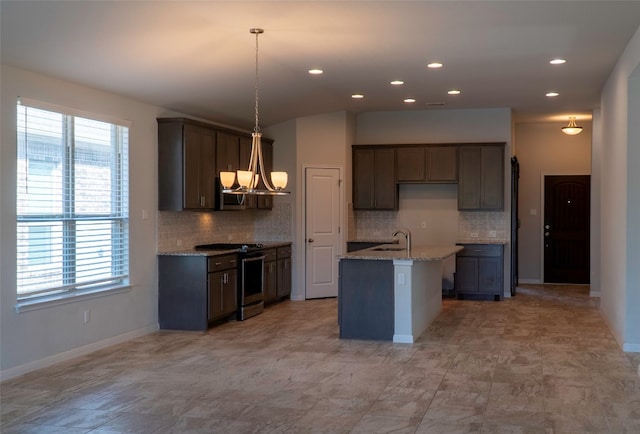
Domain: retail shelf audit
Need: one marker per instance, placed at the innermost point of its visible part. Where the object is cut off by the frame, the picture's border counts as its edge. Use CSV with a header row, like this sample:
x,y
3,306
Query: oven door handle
x,y
254,258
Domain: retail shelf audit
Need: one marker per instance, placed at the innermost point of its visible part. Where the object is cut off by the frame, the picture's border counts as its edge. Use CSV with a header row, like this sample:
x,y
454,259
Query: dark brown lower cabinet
x,y
479,271
270,279
195,290
284,272
223,286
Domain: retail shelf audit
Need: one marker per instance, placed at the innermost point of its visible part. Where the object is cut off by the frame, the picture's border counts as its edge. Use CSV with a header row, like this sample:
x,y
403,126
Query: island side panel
x,y
426,295
366,299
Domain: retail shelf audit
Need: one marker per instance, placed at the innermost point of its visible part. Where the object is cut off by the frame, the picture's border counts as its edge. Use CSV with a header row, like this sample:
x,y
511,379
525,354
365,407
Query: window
x,y
72,202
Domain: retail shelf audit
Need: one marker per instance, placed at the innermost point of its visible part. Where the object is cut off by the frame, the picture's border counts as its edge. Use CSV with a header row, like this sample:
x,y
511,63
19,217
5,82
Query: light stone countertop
x,y
481,241
418,253
194,252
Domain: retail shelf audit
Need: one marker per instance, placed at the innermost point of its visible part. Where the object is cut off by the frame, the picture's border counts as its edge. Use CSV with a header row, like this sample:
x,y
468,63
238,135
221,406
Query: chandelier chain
x,y
257,126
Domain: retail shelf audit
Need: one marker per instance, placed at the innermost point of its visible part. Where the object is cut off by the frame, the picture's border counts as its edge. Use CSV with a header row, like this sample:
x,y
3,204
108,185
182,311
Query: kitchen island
x,y
389,293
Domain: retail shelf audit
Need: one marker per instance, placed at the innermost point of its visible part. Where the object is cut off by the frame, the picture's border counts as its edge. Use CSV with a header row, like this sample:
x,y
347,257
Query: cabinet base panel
x,y
466,296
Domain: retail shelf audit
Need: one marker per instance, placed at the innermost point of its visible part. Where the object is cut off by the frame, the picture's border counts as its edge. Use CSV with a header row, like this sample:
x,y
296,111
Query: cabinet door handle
x,y
218,263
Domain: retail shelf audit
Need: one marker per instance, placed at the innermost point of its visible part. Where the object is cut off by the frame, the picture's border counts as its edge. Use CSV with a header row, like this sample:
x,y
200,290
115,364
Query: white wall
x,y
544,150
632,314
619,183
36,338
321,141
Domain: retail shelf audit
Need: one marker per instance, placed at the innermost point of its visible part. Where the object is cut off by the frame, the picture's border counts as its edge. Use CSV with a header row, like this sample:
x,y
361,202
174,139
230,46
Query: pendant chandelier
x,y
249,180
572,129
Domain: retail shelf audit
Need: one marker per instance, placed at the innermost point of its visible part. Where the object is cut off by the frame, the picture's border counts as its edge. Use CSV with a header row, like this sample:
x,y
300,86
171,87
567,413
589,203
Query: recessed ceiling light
x,y
397,82
552,94
454,92
357,96
557,61
434,65
315,71
409,100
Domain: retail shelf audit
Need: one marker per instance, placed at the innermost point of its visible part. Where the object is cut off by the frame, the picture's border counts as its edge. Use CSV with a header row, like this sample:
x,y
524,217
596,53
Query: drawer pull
x,y
218,263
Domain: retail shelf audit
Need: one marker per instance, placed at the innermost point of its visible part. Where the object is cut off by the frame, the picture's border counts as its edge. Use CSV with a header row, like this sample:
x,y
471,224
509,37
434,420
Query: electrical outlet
x,y
492,234
179,243
86,316
474,235
401,279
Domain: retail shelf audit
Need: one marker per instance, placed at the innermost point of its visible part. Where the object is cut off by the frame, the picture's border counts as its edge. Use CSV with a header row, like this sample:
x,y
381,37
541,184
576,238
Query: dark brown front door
x,y
566,228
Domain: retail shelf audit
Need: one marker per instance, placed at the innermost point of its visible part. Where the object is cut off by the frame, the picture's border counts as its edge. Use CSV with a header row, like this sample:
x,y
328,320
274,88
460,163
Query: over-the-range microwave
x,y
229,202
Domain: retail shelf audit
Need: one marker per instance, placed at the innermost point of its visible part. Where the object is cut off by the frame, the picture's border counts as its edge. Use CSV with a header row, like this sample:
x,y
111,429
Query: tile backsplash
x,y
376,224
185,229
481,223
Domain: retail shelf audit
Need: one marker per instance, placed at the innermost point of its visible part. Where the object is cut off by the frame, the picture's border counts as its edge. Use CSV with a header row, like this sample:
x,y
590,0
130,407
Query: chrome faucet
x,y
407,235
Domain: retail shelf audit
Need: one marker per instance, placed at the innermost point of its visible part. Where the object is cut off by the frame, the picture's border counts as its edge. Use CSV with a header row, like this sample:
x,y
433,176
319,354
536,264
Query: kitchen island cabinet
x,y
387,293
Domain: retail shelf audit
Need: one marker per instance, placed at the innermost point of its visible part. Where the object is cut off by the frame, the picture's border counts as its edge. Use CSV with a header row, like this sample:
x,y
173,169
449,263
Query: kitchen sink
x,y
389,249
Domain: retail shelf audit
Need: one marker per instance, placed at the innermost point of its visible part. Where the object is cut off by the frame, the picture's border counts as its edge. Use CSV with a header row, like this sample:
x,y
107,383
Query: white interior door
x,y
322,232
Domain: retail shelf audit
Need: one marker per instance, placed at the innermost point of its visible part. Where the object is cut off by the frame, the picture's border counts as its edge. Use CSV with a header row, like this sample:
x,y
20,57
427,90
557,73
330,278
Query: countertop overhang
x,y
194,252
417,253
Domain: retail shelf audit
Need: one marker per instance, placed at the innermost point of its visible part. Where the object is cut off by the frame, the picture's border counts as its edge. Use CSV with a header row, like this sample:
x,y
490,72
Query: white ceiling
x,y
198,57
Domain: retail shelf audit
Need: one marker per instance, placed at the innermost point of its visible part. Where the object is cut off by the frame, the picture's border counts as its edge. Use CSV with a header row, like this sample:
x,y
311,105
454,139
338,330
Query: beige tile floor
x,y
542,362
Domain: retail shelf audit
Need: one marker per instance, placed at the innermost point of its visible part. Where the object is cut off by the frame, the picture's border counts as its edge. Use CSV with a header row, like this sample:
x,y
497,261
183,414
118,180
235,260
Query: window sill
x,y
56,300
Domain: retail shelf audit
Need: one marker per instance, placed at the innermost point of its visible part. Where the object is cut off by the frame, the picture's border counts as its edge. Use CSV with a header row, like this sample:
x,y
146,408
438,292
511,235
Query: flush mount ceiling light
x,y
316,71
434,65
552,94
557,61
572,129
249,180
409,100
357,96
454,92
397,82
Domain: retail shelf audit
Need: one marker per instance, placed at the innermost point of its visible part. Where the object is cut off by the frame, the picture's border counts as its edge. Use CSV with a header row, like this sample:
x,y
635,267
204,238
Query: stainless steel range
x,y
250,276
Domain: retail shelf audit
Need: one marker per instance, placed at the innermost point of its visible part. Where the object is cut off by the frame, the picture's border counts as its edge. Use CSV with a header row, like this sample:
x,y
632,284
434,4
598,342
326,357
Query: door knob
x,y
547,227
546,234
310,240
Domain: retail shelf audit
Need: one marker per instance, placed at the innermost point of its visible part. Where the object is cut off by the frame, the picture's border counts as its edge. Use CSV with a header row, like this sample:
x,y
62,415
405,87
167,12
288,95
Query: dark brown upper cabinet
x,y
186,166
191,155
481,184
227,153
427,164
374,180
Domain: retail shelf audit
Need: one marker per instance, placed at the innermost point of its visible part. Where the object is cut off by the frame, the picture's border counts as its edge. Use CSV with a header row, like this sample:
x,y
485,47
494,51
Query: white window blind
x,y
72,202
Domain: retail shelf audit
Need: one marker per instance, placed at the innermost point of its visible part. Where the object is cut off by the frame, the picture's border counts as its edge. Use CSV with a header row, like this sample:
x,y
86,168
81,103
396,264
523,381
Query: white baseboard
x,y
76,352
631,348
594,294
530,281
